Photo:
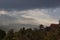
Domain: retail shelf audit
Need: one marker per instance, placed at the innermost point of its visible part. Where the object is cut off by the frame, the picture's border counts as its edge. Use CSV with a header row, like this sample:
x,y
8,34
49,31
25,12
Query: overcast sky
x,y
29,11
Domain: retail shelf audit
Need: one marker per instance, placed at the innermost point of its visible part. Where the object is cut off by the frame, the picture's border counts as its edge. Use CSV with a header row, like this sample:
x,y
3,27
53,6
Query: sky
x,y
29,12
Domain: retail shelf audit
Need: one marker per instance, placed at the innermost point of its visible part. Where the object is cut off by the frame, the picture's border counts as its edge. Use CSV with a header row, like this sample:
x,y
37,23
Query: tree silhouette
x,y
9,35
41,26
2,34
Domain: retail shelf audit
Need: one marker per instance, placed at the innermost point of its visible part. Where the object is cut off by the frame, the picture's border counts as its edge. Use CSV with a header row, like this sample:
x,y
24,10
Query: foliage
x,y
32,34
9,35
2,34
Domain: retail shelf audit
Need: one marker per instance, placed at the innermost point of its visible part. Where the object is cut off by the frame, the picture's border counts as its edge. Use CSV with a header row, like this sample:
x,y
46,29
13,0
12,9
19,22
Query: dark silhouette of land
x,y
51,32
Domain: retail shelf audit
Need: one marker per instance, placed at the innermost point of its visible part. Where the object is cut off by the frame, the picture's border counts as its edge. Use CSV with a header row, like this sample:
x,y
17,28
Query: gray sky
x,y
29,11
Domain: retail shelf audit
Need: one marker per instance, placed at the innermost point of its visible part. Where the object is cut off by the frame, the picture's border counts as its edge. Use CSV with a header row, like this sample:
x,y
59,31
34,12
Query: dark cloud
x,y
28,4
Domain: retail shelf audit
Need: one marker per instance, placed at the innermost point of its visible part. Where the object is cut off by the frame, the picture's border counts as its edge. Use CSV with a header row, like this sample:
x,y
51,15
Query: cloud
x,y
7,19
40,16
30,16
28,4
54,13
35,16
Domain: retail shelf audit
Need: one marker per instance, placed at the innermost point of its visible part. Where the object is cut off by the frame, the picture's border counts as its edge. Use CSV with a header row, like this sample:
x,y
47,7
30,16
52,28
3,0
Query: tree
x,y
9,35
22,30
2,34
47,29
41,27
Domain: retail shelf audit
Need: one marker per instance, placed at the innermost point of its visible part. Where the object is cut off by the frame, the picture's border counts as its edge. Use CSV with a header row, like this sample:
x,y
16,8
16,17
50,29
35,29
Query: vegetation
x,y
42,33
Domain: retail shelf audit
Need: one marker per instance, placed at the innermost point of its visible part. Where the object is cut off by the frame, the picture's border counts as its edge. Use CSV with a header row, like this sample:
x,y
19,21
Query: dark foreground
x,y
49,33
